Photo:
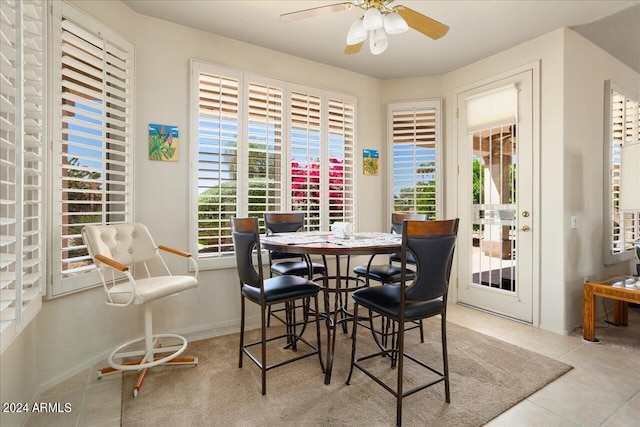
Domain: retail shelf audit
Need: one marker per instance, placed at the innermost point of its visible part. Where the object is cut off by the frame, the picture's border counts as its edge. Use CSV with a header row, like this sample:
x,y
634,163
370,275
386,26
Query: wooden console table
x,y
612,288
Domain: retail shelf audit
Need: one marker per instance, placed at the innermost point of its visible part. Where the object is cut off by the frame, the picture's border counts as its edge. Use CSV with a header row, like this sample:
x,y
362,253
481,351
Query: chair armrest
x,y
124,269
174,251
194,264
112,263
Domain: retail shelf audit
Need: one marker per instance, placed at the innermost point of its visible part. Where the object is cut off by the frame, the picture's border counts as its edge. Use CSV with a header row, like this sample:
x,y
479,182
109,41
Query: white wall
x,y
19,377
586,69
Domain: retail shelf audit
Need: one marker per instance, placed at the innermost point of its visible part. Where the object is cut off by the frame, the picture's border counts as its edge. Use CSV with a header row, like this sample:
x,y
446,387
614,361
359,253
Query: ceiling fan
x,y
379,20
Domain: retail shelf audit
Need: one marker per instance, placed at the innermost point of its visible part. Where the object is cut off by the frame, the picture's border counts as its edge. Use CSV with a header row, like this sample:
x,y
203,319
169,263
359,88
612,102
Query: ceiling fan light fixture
x,y
395,24
357,33
372,19
378,41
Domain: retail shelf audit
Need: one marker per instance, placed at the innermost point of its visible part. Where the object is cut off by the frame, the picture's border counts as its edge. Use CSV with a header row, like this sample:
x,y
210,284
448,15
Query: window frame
x,y
611,160
227,260
122,139
436,105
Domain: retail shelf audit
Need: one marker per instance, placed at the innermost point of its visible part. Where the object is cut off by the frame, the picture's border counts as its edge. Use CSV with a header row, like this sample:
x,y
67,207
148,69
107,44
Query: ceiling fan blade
x,y
353,48
427,26
315,11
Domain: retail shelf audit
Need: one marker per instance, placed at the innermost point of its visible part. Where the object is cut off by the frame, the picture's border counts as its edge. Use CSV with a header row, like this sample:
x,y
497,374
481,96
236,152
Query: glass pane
x,y
494,207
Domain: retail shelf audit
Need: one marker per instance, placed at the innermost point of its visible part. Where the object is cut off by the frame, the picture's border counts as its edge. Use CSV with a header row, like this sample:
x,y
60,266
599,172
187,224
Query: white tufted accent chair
x,y
115,250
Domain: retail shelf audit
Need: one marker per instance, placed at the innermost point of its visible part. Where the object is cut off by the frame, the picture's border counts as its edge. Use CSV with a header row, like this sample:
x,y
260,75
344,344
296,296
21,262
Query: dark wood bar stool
x,y
432,244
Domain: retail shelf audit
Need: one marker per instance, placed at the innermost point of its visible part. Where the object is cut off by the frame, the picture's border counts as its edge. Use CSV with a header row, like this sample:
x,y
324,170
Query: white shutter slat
x,y
73,28
73,47
21,130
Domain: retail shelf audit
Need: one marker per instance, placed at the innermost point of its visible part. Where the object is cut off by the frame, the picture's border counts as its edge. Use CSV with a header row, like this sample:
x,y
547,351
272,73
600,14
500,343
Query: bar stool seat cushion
x,y
282,288
152,288
296,268
384,273
386,301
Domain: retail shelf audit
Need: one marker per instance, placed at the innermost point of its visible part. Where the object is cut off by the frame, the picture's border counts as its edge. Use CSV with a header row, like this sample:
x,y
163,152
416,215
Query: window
x,y
341,162
92,140
22,154
265,145
622,126
217,124
415,139
322,167
265,172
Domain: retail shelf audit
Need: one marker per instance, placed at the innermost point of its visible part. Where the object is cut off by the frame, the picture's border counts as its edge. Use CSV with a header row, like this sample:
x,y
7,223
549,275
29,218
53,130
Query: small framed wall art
x,y
163,143
370,162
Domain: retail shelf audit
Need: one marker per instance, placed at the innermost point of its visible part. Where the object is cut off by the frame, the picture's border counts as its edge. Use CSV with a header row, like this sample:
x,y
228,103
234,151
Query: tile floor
x,y
603,389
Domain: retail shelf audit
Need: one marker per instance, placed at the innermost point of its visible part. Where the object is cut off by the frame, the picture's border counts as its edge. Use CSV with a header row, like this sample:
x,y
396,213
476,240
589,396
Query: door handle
x,y
524,228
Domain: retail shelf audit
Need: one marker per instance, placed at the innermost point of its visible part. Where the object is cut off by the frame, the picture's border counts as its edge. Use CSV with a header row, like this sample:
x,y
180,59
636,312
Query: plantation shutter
x,y
22,162
415,135
217,191
305,136
265,145
93,150
341,161
264,135
625,129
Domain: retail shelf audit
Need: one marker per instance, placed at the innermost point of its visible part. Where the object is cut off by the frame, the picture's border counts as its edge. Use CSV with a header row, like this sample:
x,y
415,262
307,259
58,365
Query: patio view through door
x,y
495,197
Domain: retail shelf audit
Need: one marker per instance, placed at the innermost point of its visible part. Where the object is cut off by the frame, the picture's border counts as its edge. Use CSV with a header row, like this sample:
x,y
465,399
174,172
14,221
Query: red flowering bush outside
x,y
305,183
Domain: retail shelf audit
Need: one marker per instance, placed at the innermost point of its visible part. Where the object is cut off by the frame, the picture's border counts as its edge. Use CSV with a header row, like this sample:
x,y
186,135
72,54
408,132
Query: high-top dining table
x,y
325,244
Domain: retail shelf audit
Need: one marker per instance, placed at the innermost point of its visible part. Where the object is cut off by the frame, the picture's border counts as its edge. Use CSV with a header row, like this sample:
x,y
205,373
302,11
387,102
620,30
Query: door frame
x,y
534,67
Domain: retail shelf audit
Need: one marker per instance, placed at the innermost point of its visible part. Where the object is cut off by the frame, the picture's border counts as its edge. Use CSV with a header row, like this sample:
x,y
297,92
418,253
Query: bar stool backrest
x,y
246,239
432,244
283,222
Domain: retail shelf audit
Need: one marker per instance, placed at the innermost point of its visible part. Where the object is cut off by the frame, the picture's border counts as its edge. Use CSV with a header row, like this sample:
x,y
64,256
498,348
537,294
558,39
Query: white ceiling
x,y
478,29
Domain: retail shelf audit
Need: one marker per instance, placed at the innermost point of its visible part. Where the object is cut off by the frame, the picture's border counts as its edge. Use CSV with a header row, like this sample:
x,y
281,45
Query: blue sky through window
x,y
87,141
408,161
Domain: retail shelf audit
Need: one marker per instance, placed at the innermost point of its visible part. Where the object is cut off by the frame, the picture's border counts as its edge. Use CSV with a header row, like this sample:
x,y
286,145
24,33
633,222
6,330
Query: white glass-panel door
x,y
495,197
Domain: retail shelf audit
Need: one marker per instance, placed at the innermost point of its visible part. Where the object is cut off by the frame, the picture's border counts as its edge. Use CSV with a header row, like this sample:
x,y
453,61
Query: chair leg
x,y
394,344
400,361
290,316
241,331
421,332
138,383
184,360
353,342
306,307
319,344
263,326
445,359
148,329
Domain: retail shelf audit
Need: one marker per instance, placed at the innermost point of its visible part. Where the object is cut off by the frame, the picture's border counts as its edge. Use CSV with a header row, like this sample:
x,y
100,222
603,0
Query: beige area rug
x,y
488,376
